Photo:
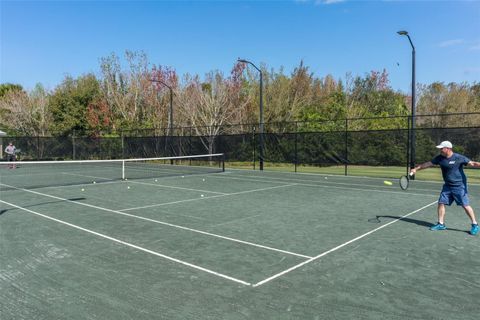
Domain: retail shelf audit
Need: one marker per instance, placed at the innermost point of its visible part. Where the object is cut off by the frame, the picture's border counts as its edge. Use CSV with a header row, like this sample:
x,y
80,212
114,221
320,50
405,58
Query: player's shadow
x,y
414,221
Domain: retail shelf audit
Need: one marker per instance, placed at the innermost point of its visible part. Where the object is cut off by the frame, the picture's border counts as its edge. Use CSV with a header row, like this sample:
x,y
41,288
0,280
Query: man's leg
x,y
441,216
469,211
441,213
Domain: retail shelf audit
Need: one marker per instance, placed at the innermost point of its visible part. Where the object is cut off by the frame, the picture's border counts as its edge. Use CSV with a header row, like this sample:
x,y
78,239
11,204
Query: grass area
x,y
432,174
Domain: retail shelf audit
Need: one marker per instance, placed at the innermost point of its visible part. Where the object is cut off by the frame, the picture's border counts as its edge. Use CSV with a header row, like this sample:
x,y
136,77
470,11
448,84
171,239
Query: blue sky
x,y
42,41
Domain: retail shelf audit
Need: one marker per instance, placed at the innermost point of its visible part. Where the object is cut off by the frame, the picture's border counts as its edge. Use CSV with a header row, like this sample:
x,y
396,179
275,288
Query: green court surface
x,y
238,244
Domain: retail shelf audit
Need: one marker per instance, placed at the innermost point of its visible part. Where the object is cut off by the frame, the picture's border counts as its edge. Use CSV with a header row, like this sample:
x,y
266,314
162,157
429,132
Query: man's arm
x,y
473,164
421,167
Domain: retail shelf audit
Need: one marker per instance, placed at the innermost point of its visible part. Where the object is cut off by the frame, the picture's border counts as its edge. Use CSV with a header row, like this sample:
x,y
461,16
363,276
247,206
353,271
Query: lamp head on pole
x,y
161,82
251,63
403,33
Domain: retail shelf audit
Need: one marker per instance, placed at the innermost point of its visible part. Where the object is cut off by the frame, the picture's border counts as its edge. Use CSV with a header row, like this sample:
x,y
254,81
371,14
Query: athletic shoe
x,y
474,229
438,226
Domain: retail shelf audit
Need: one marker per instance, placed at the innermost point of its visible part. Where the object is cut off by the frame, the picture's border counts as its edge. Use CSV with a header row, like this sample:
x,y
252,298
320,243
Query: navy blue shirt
x,y
452,169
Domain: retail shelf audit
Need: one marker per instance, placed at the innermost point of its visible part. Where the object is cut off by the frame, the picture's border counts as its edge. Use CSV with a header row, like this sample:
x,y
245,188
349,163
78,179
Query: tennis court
x,y
81,242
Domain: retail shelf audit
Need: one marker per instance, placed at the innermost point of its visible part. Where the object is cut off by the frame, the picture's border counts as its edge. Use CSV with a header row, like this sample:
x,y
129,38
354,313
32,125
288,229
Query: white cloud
x,y
471,71
475,46
472,45
450,43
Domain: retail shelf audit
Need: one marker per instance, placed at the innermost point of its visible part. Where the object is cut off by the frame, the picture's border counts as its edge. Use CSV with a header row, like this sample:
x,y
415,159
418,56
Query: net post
x,y
123,169
222,159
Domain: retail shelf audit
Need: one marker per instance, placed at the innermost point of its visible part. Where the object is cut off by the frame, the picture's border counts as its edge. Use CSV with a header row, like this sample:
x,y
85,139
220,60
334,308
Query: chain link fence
x,y
379,141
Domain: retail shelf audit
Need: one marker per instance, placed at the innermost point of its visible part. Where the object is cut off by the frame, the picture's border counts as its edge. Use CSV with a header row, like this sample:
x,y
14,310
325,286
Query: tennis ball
x,y
202,196
183,176
203,179
128,187
156,180
326,178
83,189
388,183
94,182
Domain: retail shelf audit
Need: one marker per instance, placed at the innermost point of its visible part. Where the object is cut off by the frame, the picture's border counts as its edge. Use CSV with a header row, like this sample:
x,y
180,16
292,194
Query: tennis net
x,y
38,174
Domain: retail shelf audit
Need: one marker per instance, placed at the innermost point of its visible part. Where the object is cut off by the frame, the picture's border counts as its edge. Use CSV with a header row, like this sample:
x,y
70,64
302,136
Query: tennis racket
x,y
405,181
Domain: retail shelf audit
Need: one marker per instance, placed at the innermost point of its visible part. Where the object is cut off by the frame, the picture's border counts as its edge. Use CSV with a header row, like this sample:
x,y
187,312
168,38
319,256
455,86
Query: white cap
x,y
445,144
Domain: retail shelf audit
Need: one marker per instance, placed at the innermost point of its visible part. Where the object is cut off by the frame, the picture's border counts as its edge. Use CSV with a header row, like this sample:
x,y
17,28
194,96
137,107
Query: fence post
x,y
38,148
73,144
346,146
190,144
296,147
254,146
122,137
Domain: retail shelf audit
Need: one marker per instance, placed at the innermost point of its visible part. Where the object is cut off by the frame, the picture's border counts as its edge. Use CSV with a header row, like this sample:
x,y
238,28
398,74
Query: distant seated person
x,y
11,151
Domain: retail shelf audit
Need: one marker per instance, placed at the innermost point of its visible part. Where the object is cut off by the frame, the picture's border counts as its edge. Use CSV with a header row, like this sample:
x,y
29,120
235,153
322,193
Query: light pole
x,y
412,127
170,119
170,113
261,124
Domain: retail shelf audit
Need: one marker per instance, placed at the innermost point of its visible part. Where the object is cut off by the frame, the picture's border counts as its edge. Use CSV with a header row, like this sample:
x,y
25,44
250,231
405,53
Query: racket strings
x,y
404,182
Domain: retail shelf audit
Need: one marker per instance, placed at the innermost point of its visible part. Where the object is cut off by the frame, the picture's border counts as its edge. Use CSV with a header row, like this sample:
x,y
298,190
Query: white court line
x,y
172,187
327,185
337,247
221,275
150,184
339,176
168,203
166,223
204,198
101,183
84,175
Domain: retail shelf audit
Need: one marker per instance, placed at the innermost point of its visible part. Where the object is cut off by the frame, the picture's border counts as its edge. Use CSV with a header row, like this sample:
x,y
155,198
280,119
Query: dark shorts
x,y
457,194
10,157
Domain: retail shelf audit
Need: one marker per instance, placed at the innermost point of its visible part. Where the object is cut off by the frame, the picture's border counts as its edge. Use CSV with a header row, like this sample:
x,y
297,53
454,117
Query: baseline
x,y
221,275
328,184
166,223
337,247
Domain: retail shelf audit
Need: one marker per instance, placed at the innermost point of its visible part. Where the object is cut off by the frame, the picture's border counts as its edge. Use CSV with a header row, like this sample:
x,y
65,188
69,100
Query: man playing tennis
x,y
10,150
455,187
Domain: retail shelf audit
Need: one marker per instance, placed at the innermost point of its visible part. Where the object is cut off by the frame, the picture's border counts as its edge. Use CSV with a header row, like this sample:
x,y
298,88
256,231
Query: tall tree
x,y
439,98
69,103
129,94
6,87
26,113
372,96
209,105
